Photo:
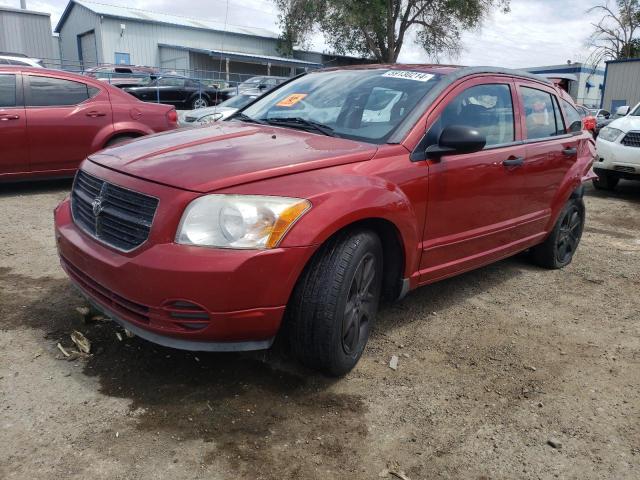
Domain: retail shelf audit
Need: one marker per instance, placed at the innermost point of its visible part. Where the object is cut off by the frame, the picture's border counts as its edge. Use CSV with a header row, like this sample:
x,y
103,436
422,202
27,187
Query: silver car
x,y
222,111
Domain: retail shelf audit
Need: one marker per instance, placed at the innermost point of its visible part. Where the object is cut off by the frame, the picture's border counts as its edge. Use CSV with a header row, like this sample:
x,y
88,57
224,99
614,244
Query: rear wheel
x,y
200,102
558,249
335,303
605,181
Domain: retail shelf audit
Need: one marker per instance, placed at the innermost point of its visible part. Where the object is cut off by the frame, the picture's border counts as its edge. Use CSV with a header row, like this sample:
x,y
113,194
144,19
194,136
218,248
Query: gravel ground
x,y
492,366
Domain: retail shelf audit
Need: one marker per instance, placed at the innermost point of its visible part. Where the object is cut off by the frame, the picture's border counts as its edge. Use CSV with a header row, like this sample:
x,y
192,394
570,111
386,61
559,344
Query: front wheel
x,y
335,302
558,249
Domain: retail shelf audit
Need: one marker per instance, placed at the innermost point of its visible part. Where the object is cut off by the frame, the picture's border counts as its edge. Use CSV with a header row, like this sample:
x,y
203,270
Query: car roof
x,y
62,74
452,71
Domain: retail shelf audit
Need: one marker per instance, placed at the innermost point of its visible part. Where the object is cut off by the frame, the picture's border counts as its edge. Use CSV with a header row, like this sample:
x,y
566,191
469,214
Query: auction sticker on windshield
x,y
291,100
417,76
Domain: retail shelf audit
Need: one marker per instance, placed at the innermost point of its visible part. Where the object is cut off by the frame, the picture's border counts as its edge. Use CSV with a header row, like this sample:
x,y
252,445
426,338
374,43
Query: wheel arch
x,y
120,134
394,252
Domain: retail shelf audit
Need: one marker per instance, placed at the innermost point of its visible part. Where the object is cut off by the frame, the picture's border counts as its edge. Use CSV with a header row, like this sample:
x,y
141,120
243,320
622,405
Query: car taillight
x,y
172,117
589,123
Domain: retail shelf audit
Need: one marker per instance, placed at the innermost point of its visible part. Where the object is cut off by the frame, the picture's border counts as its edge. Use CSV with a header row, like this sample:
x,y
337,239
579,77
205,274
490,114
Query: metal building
x,y
584,83
28,33
622,84
94,33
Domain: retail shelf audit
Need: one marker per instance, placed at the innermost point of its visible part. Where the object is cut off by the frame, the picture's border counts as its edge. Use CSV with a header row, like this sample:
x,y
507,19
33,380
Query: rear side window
x,y
542,113
171,82
7,91
55,92
488,108
573,117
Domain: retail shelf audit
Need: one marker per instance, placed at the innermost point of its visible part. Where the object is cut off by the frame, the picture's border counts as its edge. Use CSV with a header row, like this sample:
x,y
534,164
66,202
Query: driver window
x,y
487,108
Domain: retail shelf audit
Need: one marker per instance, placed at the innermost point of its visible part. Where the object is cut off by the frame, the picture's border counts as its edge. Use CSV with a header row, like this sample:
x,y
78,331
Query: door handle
x,y
6,117
570,152
96,114
513,162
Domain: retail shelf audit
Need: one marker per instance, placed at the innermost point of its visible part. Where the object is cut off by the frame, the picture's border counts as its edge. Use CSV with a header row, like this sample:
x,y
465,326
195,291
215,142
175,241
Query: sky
x,y
533,33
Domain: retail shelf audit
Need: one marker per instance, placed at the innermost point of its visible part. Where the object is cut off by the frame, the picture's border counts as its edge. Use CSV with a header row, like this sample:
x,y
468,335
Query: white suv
x,y
619,150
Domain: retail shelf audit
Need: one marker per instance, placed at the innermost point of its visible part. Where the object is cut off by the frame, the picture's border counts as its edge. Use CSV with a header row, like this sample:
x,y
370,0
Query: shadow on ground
x,y
254,409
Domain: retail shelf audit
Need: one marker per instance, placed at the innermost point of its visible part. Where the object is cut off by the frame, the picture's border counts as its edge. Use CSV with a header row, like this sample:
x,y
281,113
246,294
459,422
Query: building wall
x,y
141,39
578,90
80,21
26,32
622,85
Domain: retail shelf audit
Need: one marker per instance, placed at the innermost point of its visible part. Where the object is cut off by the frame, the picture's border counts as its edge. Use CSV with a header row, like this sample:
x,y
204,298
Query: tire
x,y
199,102
558,249
332,311
118,140
605,181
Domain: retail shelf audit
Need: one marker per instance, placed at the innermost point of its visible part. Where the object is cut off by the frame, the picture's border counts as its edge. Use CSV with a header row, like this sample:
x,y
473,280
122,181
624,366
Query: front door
x,y
64,120
474,215
14,152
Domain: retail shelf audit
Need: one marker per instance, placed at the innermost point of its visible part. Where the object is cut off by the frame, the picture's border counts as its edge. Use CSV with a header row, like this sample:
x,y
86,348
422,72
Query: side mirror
x,y
623,111
457,139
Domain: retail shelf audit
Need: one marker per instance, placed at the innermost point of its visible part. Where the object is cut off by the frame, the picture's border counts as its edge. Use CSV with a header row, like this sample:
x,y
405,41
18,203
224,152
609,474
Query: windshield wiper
x,y
301,123
246,118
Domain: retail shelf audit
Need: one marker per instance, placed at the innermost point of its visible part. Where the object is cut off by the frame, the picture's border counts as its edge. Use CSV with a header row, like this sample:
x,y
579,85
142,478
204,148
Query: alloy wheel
x,y
569,235
199,103
360,308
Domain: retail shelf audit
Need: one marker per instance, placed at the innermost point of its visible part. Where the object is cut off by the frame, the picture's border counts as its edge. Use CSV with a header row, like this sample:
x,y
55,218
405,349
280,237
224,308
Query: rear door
x,y
14,152
551,149
474,213
64,119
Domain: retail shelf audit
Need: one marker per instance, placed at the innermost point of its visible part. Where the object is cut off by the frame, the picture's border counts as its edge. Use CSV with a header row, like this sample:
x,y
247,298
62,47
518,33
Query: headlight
x,y
214,117
239,221
610,134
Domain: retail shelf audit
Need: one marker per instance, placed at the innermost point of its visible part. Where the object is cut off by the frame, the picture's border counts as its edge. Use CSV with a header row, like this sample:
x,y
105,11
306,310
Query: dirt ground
x,y
493,365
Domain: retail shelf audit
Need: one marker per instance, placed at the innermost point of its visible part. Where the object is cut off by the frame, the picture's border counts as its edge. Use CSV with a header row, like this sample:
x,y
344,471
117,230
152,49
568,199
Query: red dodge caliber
x,y
337,189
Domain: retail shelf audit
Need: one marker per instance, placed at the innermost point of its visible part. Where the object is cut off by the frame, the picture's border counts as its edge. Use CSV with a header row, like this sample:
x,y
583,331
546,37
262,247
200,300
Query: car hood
x,y
227,154
201,112
626,124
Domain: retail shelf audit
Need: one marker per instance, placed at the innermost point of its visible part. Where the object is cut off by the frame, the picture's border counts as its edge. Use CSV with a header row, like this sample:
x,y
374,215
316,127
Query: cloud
x,y
534,32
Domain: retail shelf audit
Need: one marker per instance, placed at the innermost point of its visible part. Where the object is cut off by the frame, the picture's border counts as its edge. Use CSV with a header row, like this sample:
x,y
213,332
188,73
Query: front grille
x,y
114,215
120,305
624,169
632,139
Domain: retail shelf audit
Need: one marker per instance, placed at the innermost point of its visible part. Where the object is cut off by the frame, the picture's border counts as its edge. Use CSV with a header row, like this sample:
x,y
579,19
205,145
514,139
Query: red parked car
x,y
335,190
51,120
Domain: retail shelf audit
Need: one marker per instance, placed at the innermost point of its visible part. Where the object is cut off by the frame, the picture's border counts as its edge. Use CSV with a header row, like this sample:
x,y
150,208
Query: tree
x,y
379,28
615,36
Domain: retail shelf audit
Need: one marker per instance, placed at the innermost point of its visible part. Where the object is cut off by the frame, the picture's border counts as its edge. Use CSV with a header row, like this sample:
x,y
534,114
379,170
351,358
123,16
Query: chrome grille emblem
x,y
97,205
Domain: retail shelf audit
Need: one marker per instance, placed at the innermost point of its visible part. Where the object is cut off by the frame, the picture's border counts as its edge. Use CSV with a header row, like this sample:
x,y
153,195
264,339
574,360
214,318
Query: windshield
x,y
636,111
238,101
364,105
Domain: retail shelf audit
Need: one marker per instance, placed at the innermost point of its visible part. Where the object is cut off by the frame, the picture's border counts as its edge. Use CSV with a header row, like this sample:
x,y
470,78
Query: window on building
x,y
49,92
542,114
7,90
123,58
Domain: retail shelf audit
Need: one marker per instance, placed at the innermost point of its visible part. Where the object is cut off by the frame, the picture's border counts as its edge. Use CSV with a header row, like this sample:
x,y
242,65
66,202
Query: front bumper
x,y
180,296
617,159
